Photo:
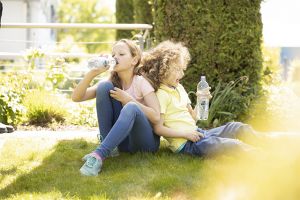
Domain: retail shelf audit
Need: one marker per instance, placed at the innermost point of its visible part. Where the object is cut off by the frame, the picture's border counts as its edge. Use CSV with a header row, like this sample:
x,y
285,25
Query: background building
x,y
27,11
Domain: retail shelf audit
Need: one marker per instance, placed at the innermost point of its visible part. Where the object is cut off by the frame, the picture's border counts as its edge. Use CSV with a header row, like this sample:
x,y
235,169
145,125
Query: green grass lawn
x,y
36,168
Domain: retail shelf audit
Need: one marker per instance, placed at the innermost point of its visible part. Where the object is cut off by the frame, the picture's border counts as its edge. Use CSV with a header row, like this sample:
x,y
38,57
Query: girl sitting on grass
x,y
126,106
164,67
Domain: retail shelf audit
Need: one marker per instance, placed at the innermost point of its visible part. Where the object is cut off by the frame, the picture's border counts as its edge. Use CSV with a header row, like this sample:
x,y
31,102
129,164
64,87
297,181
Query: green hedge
x,y
142,12
124,15
133,11
224,39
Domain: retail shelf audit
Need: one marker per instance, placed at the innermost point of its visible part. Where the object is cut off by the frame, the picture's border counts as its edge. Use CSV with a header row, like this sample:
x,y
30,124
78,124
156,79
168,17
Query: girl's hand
x,y
120,95
194,136
99,69
206,92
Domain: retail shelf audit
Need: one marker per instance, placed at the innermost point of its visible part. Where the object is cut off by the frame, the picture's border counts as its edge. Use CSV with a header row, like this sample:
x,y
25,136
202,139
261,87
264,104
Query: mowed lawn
x,y
39,168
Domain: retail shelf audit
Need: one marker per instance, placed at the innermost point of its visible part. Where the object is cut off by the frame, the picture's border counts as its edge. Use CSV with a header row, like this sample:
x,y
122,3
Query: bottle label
x,y
202,103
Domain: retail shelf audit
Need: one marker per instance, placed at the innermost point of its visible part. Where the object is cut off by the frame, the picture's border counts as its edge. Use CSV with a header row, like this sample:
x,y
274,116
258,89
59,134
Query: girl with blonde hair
x,y
164,67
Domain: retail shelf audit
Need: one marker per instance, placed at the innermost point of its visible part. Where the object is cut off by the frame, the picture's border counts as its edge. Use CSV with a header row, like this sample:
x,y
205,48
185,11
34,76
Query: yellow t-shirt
x,y
173,104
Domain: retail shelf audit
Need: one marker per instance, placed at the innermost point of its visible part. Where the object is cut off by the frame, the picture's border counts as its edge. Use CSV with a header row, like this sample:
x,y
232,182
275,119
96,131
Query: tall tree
x,y
143,12
90,11
124,15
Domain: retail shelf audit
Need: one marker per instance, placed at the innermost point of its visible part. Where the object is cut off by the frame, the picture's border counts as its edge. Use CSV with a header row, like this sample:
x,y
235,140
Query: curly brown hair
x,y
135,52
156,63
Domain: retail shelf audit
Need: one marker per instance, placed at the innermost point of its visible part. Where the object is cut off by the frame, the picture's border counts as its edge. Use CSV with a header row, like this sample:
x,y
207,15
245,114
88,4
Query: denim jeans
x,y
223,139
126,127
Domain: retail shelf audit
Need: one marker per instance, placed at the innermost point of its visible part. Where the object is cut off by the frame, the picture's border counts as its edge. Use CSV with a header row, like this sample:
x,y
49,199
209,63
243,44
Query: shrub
x,y
143,12
83,113
12,89
44,108
56,74
224,39
11,108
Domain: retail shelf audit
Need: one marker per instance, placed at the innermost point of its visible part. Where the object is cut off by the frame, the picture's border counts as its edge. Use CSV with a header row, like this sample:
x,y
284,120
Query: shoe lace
x,y
91,161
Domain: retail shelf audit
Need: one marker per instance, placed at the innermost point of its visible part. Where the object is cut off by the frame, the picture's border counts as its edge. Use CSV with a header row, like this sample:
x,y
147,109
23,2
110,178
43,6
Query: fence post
x,y
141,42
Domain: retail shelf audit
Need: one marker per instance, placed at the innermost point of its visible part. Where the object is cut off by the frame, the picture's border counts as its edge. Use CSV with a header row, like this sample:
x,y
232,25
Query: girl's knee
x,y
235,124
217,145
104,87
131,107
240,129
240,125
130,110
245,128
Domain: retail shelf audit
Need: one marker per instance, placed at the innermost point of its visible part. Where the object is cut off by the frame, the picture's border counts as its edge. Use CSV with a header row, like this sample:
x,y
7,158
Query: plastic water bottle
x,y
202,99
97,62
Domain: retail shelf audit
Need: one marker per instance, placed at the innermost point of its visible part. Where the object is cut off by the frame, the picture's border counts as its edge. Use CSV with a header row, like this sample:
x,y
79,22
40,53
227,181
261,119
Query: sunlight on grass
x,y
18,157
273,177
50,171
43,168
42,196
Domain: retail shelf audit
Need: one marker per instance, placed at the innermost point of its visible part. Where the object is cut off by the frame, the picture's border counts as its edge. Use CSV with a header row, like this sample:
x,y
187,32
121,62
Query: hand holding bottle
x,y
102,62
204,93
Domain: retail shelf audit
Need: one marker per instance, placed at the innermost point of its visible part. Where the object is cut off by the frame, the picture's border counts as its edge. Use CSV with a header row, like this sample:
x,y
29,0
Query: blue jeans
x,y
126,127
223,139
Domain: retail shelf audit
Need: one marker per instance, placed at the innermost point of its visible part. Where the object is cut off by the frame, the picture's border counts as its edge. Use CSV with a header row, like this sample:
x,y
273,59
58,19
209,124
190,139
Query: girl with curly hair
x,y
164,67
126,106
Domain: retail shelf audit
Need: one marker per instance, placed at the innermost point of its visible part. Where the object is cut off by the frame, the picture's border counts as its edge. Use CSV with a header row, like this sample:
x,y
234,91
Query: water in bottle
x,y
99,61
202,99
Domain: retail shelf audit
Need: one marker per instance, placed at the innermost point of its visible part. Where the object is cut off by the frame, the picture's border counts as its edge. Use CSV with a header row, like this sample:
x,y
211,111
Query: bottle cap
x,y
113,61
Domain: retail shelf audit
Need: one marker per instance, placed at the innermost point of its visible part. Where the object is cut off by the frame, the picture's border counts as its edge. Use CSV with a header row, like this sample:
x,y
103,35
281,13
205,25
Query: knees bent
x,y
131,107
104,88
130,110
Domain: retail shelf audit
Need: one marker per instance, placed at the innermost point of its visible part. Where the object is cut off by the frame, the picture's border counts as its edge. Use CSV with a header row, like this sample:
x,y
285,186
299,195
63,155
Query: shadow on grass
x,y
8,171
137,175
